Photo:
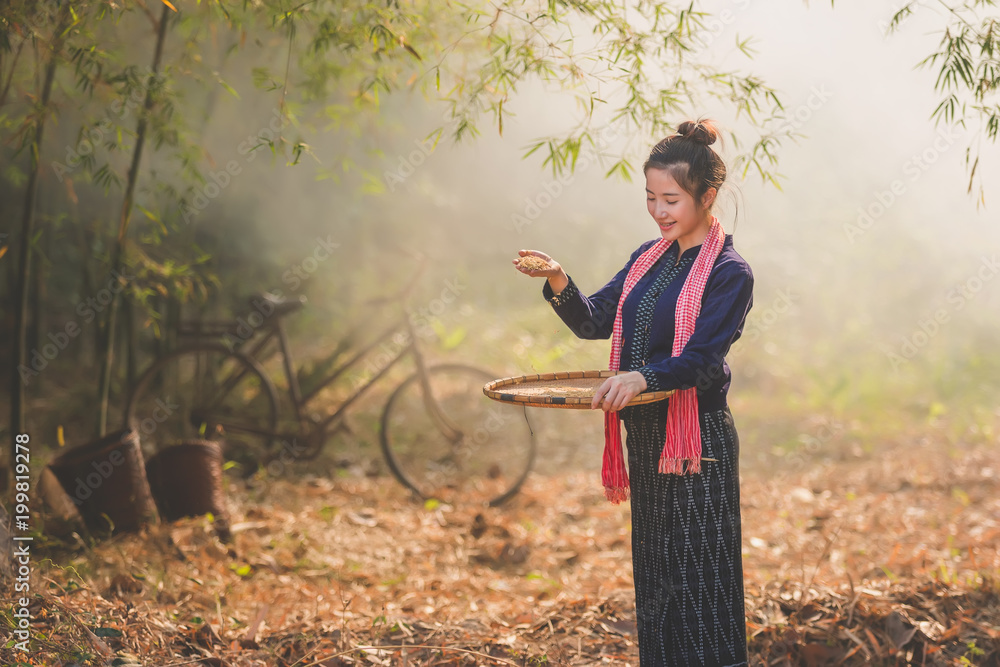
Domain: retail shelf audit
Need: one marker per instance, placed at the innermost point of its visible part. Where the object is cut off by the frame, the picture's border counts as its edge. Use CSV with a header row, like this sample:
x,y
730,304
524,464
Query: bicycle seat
x,y
280,305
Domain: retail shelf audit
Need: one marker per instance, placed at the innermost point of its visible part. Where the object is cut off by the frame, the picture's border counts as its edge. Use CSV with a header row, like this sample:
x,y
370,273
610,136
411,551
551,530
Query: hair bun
x,y
701,132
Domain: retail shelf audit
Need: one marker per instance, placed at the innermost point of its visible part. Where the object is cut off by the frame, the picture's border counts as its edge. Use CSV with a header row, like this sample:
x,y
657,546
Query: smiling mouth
x,y
665,225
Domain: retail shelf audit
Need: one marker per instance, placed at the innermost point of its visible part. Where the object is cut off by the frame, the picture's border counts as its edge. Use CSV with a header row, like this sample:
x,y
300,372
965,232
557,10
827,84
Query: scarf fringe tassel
x,y
616,496
613,472
674,466
682,447
682,444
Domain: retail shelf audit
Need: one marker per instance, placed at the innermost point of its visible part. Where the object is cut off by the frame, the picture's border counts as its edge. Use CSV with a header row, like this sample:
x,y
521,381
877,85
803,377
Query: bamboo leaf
x,y
412,51
229,89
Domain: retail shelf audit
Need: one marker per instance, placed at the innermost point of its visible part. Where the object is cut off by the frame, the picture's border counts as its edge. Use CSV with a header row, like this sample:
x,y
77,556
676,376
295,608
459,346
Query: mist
x,y
875,297
874,293
858,501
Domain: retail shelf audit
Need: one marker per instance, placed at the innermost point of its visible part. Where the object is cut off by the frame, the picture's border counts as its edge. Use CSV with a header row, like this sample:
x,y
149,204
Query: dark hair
x,y
687,156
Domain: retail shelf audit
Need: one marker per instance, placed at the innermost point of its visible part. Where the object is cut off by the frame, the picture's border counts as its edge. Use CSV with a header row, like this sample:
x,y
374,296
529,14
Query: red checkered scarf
x,y
682,446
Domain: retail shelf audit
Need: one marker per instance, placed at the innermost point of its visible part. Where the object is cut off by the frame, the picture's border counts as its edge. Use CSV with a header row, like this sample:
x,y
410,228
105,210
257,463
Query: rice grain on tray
x,y
532,263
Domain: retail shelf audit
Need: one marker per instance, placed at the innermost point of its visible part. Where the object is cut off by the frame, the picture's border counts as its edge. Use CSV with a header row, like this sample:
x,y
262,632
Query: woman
x,y
672,313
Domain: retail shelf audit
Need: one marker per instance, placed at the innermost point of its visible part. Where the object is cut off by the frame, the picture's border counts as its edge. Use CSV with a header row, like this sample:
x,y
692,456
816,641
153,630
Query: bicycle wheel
x,y
477,451
206,391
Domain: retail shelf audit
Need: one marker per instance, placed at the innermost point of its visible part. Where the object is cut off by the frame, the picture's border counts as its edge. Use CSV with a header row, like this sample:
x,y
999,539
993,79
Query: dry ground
x,y
893,559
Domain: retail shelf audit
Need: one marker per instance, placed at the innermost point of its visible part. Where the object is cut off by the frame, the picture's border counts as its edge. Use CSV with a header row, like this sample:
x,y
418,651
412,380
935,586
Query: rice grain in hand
x,y
532,263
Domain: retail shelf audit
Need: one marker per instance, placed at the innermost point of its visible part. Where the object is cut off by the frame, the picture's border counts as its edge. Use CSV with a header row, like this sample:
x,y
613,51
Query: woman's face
x,y
679,217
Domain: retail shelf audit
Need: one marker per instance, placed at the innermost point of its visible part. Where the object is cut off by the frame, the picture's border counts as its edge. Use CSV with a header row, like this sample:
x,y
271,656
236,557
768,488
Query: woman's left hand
x,y
618,390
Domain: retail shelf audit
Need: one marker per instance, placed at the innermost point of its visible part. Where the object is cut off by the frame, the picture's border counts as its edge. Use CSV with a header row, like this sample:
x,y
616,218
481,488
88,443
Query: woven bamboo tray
x,y
573,390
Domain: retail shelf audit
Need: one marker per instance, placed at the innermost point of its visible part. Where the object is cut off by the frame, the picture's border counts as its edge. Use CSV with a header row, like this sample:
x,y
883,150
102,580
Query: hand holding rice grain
x,y
532,263
539,265
652,350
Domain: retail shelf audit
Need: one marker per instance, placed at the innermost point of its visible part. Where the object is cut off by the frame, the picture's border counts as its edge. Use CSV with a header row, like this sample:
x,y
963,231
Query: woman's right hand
x,y
558,279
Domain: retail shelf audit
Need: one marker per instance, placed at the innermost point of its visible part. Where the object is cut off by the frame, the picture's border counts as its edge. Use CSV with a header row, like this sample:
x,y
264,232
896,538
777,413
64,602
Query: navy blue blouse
x,y
727,300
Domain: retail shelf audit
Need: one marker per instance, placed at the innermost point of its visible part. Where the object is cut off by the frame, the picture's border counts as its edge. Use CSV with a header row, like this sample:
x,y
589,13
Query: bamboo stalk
x,y
118,256
20,353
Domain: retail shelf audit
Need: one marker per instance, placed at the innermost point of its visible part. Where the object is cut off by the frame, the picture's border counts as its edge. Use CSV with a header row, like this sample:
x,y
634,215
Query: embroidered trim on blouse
x,y
652,383
564,296
639,348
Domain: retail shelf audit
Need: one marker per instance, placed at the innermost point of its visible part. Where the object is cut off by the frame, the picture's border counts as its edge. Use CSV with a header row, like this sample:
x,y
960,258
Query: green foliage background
x,y
361,92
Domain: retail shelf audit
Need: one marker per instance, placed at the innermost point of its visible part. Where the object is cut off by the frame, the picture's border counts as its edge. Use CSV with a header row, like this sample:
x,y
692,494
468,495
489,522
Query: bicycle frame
x,y
226,391
402,325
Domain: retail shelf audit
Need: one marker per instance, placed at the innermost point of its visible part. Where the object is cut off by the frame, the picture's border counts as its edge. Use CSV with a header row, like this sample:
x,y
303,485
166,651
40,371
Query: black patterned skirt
x,y
686,546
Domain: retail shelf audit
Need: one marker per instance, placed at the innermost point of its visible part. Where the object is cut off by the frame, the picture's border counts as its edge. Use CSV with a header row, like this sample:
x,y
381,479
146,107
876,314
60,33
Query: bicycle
x,y
440,436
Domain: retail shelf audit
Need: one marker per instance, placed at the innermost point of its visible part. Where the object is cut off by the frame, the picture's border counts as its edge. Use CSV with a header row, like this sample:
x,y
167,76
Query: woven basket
x,y
186,480
106,480
572,390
